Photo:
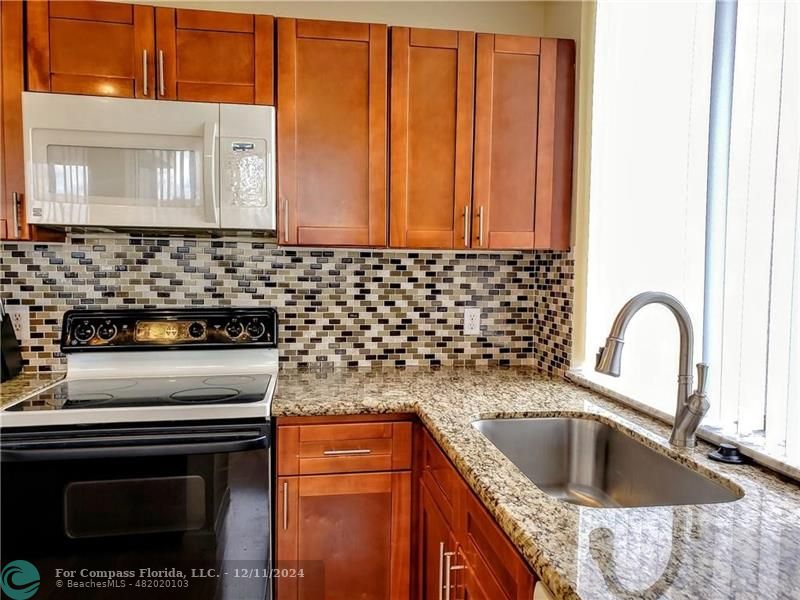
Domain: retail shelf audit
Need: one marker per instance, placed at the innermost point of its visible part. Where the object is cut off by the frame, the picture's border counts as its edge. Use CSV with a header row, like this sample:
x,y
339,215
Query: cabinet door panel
x,y
101,49
554,159
73,53
332,132
215,57
492,558
355,526
12,215
432,122
506,129
435,538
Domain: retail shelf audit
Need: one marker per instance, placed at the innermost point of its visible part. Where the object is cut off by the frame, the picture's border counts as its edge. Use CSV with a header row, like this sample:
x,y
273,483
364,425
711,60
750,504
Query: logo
x,y
20,580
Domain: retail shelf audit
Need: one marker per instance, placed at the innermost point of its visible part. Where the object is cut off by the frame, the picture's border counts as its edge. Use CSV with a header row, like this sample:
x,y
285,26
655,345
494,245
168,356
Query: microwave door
x,y
247,167
111,162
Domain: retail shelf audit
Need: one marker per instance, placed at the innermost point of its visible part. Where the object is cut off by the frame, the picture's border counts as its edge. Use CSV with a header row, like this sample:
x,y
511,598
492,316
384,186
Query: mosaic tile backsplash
x,y
354,308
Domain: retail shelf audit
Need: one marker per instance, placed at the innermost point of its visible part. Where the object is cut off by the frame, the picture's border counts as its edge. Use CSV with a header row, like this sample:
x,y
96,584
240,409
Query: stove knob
x,y
106,331
197,329
255,329
84,331
234,329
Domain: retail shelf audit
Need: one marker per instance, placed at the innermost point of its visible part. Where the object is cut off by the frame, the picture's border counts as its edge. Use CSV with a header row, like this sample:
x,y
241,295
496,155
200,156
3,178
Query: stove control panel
x,y
169,328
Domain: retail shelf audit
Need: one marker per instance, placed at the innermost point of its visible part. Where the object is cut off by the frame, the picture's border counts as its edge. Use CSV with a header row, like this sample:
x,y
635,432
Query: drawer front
x,y
343,448
443,481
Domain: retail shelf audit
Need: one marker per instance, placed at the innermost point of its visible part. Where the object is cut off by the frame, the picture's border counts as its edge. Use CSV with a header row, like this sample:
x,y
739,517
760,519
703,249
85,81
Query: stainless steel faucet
x,y
692,406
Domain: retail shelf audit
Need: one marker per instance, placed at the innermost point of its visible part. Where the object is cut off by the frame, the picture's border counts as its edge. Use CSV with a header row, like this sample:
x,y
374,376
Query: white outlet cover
x,y
472,321
21,320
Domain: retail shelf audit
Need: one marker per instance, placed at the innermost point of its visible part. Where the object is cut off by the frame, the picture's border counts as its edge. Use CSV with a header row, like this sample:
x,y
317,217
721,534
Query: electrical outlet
x,y
472,321
21,320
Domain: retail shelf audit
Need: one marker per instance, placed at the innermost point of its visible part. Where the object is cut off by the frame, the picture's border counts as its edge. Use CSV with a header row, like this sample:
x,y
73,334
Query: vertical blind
x,y
760,370
647,216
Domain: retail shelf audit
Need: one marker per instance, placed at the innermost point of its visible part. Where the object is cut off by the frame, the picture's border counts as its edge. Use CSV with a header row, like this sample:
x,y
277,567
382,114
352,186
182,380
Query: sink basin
x,y
586,462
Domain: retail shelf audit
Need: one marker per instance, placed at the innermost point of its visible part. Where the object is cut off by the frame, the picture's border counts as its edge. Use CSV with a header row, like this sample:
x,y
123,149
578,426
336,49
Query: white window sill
x,y
752,446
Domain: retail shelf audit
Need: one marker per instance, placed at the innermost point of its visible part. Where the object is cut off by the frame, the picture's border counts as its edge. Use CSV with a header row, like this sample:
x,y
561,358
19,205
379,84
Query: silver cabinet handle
x,y
466,226
441,570
285,505
161,87
448,559
480,227
453,568
144,71
285,205
17,213
346,452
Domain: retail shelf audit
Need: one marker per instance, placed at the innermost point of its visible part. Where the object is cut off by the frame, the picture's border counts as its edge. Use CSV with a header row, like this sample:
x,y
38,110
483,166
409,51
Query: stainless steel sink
x,y
586,462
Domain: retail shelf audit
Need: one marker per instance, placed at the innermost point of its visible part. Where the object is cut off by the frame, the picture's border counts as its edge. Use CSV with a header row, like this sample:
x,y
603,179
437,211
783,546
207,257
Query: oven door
x,y
115,162
131,512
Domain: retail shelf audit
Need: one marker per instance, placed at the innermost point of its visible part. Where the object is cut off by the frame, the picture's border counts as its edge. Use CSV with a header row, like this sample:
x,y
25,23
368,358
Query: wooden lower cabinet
x,y
343,508
477,561
349,533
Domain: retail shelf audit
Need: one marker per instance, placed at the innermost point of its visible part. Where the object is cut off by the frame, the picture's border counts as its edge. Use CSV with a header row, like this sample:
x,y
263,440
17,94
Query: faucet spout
x,y
609,359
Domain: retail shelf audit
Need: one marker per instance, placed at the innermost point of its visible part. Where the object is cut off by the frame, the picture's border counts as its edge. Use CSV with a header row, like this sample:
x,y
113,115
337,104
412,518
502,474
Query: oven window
x,y
195,511
131,506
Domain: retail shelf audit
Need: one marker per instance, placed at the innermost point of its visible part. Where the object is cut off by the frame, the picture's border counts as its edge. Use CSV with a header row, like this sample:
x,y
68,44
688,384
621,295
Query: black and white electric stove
x,y
158,365
151,456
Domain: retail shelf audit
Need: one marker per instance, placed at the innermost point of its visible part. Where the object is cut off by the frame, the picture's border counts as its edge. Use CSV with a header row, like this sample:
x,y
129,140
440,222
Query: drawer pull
x,y
346,452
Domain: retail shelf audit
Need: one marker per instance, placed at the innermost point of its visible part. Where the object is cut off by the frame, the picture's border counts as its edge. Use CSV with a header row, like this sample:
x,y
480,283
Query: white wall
x,y
521,18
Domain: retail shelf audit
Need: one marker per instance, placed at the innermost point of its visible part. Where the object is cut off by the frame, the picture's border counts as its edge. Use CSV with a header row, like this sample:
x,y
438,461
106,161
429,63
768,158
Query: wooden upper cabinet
x,y
96,48
349,533
332,133
523,142
432,92
12,184
214,57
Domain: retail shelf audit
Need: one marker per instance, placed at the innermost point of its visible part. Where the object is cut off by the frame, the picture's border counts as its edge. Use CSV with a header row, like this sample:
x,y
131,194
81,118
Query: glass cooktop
x,y
149,391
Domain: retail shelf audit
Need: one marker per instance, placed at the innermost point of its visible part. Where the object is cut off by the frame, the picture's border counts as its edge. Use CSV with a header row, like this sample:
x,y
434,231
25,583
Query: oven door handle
x,y
129,446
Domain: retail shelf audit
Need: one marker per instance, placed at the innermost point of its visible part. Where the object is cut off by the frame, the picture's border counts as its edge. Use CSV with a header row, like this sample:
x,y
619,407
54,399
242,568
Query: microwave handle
x,y
210,171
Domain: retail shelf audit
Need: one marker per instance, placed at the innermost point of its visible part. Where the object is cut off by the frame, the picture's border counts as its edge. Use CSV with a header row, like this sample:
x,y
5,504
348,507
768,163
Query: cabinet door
x,y
431,137
554,156
332,133
524,108
12,184
349,533
95,48
436,541
506,132
470,588
214,56
490,557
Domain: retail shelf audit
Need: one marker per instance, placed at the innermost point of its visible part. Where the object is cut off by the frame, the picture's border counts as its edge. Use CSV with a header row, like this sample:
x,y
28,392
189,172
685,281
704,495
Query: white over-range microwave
x,y
119,163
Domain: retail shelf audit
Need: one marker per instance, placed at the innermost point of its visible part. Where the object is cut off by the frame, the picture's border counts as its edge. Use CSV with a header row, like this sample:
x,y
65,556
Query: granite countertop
x,y
25,384
739,550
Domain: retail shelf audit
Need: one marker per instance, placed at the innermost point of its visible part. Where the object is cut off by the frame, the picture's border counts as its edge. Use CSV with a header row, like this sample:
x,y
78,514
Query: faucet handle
x,y
702,378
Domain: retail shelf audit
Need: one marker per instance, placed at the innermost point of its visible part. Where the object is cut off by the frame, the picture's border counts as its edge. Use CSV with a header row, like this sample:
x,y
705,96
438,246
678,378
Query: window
x,y
652,91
